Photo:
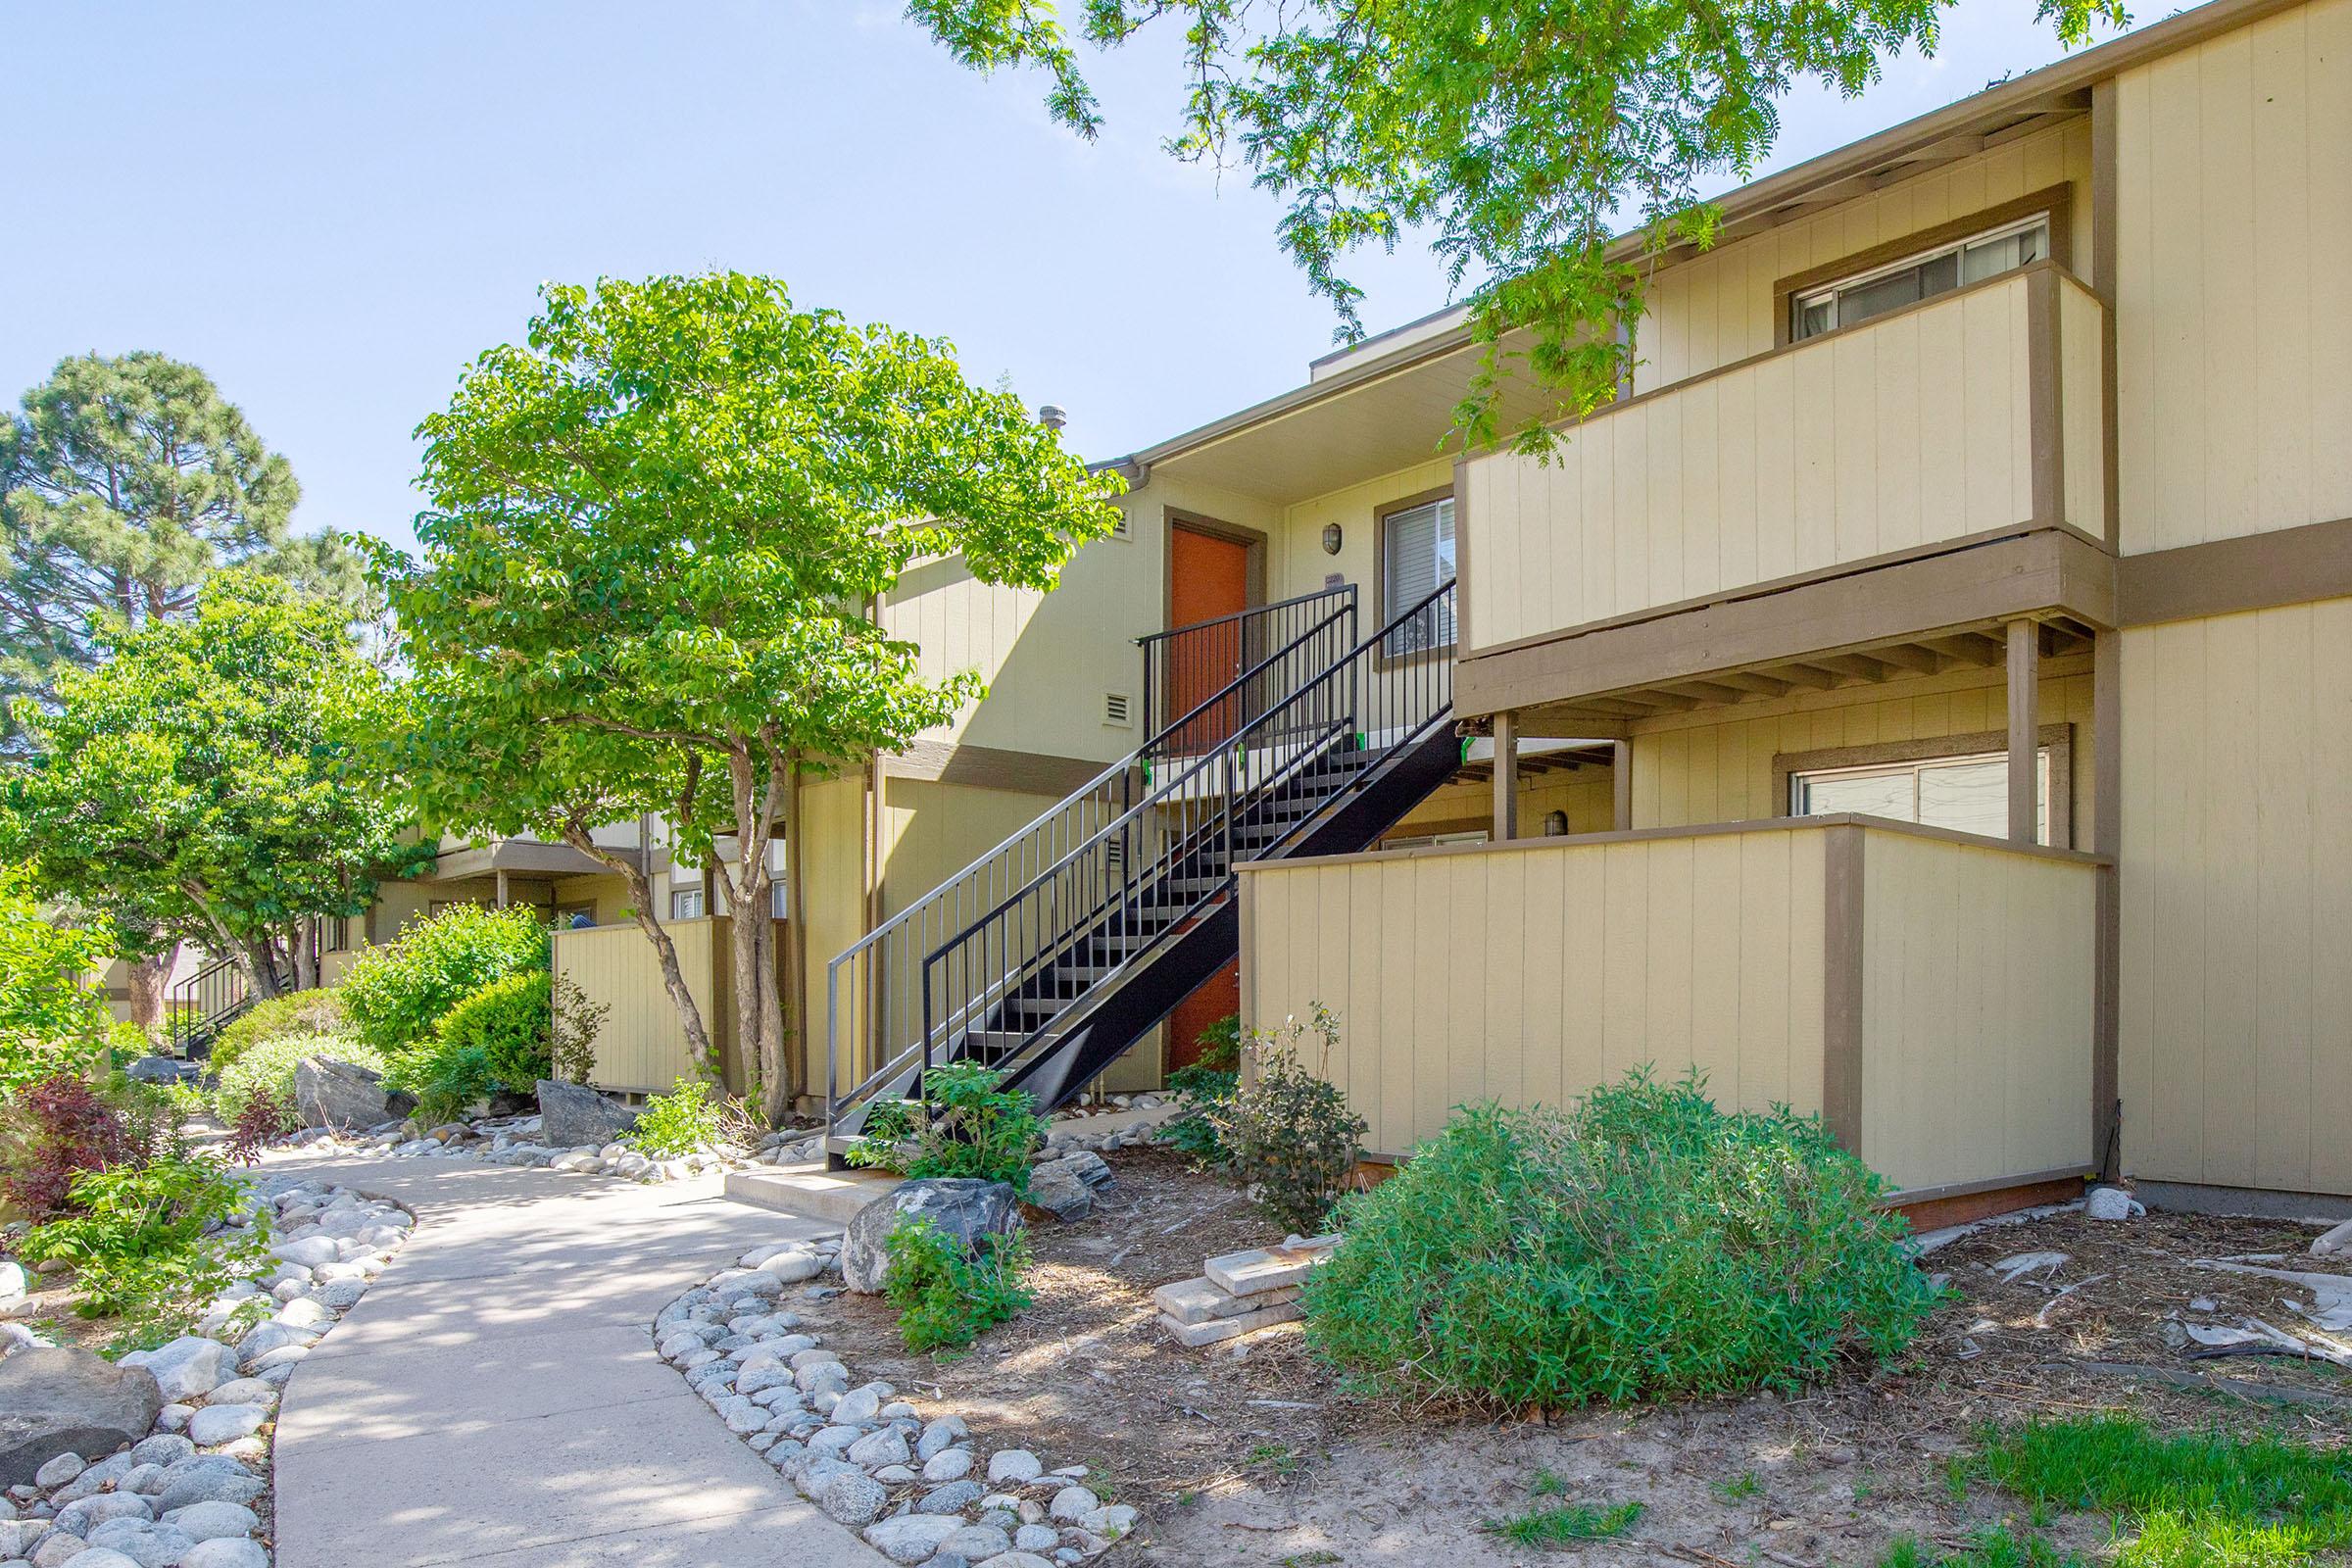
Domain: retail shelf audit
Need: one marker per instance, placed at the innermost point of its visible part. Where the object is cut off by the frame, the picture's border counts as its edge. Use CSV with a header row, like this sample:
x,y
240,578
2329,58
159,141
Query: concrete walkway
x,y
494,1397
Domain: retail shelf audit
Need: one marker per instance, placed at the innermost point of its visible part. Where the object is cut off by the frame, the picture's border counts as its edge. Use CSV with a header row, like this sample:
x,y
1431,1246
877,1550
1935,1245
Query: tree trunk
x,y
149,977
665,952
261,969
303,938
751,895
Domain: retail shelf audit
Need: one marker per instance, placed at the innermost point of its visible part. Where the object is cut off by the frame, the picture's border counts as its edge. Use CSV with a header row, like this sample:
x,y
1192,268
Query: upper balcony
x,y
1928,473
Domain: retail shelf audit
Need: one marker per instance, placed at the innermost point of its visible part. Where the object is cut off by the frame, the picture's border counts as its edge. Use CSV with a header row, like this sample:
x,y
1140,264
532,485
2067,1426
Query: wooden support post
x,y
502,887
1506,776
1621,786
2024,730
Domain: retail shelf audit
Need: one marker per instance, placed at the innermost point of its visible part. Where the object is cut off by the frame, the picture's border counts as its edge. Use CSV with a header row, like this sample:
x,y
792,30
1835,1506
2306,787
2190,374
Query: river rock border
x,y
916,1487
186,1496
517,1140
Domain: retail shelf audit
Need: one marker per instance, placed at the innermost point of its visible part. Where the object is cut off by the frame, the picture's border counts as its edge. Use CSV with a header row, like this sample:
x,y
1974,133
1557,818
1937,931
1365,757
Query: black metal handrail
x,y
1227,656
201,1005
1256,791
874,980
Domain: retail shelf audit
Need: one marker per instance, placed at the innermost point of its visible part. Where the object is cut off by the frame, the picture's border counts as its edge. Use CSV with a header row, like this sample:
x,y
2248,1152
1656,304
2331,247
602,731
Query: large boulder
x,y
572,1114
343,1093
960,1206
159,1070
55,1400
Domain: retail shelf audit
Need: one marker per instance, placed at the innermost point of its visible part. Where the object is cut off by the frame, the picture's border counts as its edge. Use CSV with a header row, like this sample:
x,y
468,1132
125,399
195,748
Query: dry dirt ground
x,y
1248,1453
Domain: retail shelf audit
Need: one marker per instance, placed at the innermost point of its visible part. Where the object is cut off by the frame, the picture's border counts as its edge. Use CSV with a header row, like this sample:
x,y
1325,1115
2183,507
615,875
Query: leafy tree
x,y
124,484
198,780
1515,133
658,526
51,1018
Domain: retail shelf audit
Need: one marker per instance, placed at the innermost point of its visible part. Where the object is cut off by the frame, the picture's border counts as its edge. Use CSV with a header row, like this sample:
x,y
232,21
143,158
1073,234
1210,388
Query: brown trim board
x,y
2044,571
2225,576
2105,229
991,767
2059,738
2107,838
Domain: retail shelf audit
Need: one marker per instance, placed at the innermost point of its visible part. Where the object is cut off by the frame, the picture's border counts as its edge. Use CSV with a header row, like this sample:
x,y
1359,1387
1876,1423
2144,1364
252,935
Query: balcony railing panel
x,y
1929,994
1939,422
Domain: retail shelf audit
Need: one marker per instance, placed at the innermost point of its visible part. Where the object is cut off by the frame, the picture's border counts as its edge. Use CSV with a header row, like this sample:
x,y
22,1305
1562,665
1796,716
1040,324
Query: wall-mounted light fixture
x,y
1331,538
1555,824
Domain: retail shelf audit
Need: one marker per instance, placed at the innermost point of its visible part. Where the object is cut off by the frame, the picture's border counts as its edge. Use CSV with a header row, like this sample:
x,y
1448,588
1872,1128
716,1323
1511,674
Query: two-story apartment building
x,y
1961,588
1924,697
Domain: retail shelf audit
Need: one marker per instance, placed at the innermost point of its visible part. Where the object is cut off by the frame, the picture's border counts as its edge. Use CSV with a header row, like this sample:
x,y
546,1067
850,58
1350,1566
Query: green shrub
x,y
945,1297
302,1012
137,1238
571,1049
498,1038
269,1068
52,1020
676,1123
1203,1093
1220,1046
1642,1244
397,994
1290,1132
967,1125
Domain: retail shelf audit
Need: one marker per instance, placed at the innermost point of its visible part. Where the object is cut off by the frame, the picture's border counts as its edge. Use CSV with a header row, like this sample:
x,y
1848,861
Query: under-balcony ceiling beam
x,y
1911,657
1748,680
1862,666
1709,691
1970,647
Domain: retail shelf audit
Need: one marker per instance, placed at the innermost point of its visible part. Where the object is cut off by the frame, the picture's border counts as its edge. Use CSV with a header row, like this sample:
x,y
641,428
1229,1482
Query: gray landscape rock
x,y
911,1537
343,1093
225,1482
1059,1193
1037,1538
14,1285
189,1368
226,1551
58,1471
210,1521
1015,1465
961,1208
1074,1504
975,1544
572,1114
216,1424
953,1498
159,1070
85,1517
101,1558
149,1545
56,1400
851,1496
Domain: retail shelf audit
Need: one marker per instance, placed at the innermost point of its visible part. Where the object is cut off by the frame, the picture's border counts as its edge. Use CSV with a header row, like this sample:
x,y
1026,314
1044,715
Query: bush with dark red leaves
x,y
262,1120
61,1128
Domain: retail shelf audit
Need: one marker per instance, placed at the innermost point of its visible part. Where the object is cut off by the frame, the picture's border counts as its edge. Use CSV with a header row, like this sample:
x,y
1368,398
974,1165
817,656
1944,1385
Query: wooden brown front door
x,y
1208,580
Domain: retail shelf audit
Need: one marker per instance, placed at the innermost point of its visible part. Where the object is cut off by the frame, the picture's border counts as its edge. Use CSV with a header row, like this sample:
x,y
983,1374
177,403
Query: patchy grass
x,y
1993,1548
1563,1524
2120,1466
1739,1488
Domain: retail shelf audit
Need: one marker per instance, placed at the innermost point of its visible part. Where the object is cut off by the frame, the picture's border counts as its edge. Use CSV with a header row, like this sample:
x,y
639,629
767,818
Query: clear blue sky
x,y
332,208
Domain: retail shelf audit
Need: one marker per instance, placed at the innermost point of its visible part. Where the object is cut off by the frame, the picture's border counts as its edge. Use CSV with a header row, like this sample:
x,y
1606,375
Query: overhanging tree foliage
x,y
198,780
1516,134
658,527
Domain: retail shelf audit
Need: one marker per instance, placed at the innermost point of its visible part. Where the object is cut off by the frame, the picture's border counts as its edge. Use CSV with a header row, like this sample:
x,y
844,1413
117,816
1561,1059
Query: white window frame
x,y
686,903
1799,779
1830,291
1416,638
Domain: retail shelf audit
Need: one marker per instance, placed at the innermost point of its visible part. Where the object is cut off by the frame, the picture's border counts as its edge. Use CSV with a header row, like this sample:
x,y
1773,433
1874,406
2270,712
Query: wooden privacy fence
x,y
1929,994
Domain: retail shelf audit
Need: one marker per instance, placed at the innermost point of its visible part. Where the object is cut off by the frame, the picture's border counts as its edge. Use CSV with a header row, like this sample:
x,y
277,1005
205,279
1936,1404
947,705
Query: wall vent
x,y
1115,710
1124,528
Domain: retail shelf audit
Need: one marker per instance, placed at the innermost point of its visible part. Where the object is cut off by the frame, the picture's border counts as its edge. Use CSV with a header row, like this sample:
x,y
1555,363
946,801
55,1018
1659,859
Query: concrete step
x,y
810,1191
1195,1335
1269,1268
1192,1302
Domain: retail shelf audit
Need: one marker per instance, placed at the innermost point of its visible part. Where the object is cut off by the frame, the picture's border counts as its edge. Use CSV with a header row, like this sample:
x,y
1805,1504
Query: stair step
x,y
1200,1300
1269,1268
834,1196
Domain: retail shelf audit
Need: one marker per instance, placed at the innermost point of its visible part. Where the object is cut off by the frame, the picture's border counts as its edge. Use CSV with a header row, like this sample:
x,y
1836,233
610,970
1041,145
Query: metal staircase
x,y
1053,953
205,1002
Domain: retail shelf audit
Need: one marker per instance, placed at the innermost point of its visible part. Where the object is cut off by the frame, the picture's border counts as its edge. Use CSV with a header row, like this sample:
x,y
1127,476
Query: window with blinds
x,y
1853,300
1416,557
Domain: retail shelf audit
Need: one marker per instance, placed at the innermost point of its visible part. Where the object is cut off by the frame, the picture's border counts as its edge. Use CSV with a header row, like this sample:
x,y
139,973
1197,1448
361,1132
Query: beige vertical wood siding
x,y
642,1047
2082,405
1717,309
1586,795
1705,766
1977,1000
2236,886
1904,432
2233,299
1530,972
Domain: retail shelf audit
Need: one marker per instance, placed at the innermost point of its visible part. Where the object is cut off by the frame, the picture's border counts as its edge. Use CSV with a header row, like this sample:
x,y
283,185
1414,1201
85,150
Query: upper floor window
x,y
1857,299
1965,794
1416,557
